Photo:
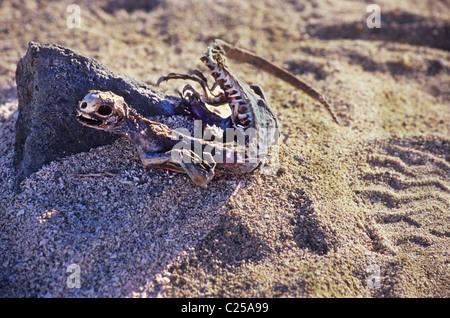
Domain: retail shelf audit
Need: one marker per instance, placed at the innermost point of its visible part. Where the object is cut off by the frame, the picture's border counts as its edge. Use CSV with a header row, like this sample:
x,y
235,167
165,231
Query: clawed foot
x,y
200,170
195,75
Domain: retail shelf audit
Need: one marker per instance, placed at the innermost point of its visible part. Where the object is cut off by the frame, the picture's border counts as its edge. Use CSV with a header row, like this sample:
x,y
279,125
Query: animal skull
x,y
102,110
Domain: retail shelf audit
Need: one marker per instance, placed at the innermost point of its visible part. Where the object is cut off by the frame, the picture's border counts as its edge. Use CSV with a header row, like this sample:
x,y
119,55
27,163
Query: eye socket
x,y
104,110
83,105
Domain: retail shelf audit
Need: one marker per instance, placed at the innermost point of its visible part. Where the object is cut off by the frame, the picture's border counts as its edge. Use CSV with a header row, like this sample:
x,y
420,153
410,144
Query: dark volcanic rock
x,y
50,81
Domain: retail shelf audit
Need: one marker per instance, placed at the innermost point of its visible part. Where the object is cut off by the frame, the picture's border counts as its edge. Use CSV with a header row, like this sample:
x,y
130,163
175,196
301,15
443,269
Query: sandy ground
x,y
360,210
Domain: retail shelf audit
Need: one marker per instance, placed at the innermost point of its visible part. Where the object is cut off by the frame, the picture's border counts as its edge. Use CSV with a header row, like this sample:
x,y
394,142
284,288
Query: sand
x,y
357,210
